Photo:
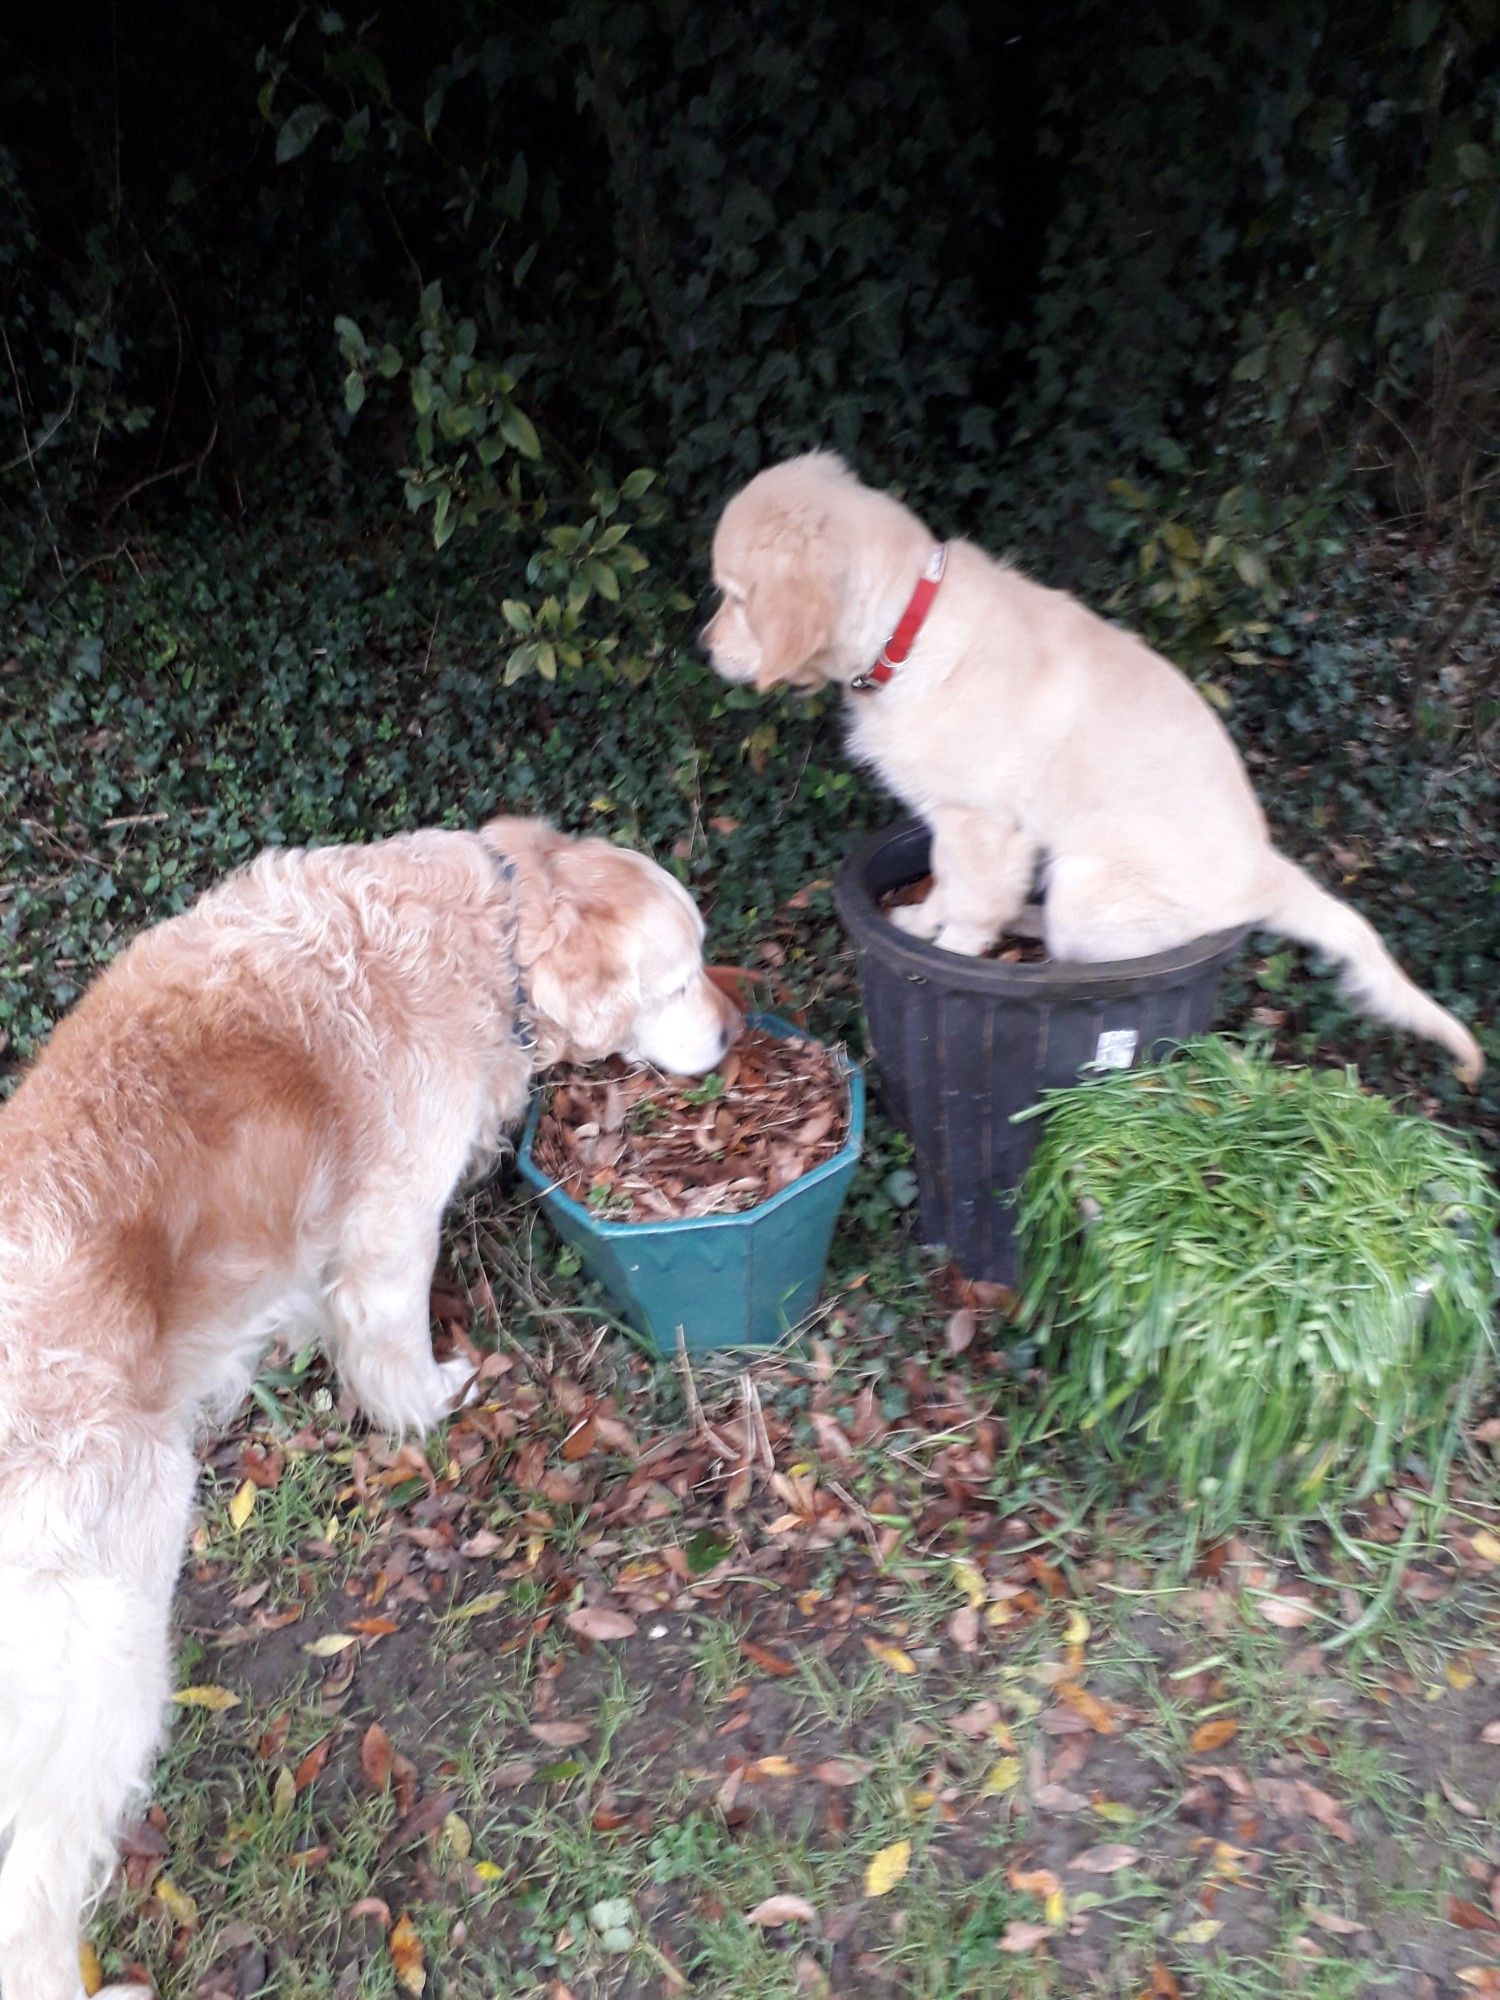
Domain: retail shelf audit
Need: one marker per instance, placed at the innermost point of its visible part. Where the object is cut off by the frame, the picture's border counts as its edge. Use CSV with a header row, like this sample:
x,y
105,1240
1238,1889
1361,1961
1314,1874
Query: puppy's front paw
x,y
918,920
967,940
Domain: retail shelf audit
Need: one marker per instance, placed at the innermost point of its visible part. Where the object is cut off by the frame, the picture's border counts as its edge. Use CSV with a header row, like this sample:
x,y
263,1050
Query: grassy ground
x,y
828,1676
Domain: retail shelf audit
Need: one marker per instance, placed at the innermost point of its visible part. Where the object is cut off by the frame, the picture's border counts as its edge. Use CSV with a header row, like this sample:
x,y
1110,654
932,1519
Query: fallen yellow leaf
x,y
216,1698
1458,1677
1115,1813
242,1506
1055,1909
460,1840
177,1903
1485,1545
477,1607
329,1644
488,1871
893,1656
887,1867
1199,1933
1003,1776
283,1793
90,1971
1077,1629
970,1582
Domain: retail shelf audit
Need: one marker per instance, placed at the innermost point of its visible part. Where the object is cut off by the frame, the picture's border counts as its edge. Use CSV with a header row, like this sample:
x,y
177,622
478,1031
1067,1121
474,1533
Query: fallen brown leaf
x,y
782,1910
766,1660
422,1819
1469,1917
1021,1937
1330,1920
1288,1612
1033,1881
1096,1713
839,1771
560,1735
311,1767
976,1721
375,1756
1106,1859
1213,1735
1058,1799
598,1622
958,1335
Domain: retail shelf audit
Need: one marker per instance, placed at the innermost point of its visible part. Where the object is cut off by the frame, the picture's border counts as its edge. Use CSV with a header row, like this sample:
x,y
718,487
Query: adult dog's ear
x,y
581,982
791,615
571,943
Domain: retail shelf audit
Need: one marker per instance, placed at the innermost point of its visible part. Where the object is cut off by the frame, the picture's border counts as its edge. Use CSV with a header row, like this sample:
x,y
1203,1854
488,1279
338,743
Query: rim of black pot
x,y
862,917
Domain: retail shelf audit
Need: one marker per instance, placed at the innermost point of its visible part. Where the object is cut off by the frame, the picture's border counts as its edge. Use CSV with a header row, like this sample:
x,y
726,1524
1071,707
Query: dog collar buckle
x,y
910,623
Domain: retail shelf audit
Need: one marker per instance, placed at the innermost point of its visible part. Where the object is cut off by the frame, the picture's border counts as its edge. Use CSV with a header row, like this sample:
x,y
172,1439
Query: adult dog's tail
x,y
1299,908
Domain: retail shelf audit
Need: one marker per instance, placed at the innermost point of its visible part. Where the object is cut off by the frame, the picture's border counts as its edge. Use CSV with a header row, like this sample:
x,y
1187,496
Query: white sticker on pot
x,y
1116,1050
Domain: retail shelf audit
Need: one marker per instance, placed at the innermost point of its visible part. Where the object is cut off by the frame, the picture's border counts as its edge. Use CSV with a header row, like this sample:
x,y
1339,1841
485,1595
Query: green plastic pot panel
x,y
719,1280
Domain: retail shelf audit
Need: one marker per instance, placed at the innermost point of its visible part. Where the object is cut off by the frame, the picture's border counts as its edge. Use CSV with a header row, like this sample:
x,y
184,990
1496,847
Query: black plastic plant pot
x,y
960,1045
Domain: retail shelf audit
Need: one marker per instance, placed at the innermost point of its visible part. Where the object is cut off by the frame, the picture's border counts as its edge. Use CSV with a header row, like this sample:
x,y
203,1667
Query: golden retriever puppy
x,y
251,1124
1032,736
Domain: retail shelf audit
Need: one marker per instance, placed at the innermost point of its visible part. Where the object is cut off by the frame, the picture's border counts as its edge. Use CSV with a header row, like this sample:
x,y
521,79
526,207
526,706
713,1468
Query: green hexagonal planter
x,y
721,1280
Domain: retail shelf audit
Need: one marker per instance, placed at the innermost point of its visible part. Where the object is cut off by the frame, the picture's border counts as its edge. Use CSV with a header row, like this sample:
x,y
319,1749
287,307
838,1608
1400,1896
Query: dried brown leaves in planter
x,y
1010,950
637,1146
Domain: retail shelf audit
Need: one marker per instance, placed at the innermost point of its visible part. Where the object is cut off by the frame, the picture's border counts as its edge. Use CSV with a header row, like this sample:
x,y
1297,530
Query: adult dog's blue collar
x,y
523,1029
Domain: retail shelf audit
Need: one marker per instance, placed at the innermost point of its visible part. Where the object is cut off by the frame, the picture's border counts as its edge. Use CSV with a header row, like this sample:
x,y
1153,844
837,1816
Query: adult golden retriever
x,y
251,1124
1030,735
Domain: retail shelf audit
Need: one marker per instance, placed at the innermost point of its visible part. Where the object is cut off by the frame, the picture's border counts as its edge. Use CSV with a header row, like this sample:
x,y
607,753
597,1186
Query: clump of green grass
x,y
1257,1284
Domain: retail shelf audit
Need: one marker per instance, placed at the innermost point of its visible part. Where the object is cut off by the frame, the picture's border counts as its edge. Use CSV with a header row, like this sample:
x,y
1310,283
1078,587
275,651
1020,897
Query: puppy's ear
x,y
791,615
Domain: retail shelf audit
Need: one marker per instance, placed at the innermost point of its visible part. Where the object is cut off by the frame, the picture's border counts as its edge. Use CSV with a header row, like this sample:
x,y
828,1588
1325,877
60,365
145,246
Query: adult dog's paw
x,y
461,1385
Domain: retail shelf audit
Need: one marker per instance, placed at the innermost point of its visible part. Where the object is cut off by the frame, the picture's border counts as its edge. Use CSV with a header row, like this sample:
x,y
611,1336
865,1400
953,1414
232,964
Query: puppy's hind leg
x,y
379,1328
1099,910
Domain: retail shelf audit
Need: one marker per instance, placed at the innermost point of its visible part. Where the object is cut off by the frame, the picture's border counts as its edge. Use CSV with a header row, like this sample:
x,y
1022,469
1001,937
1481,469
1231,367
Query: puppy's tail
x,y
1296,906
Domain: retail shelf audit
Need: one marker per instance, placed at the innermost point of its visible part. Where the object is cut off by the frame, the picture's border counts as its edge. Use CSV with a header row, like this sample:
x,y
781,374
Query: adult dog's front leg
x,y
379,1328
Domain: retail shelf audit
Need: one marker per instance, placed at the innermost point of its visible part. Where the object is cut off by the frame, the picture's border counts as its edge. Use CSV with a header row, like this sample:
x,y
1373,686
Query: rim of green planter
x,y
847,1154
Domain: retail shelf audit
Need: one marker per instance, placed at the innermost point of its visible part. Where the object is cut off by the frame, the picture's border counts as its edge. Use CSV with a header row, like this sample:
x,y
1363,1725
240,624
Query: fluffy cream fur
x,y
250,1126
1030,735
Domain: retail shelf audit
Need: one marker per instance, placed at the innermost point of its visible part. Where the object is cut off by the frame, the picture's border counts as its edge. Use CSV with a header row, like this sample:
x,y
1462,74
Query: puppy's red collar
x,y
901,641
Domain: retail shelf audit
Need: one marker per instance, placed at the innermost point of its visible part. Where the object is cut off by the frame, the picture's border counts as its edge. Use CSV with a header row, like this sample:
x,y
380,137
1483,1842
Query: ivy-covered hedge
x,y
1153,274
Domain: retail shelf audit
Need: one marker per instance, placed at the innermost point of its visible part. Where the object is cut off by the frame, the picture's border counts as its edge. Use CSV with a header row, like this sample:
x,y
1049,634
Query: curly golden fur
x,y
250,1126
